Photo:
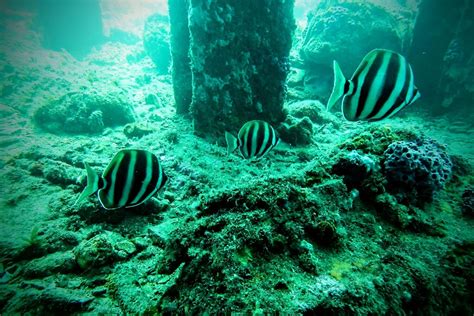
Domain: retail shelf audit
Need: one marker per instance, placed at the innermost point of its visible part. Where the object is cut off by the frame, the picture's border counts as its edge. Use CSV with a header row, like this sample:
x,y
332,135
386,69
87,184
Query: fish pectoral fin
x,y
231,142
338,88
92,183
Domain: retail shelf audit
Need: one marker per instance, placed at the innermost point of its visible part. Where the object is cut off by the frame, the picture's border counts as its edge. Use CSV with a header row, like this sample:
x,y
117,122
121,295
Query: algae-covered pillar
x,y
179,45
238,51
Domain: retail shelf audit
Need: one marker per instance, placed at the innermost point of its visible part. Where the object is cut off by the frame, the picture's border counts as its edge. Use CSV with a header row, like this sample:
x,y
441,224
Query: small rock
x,y
169,196
159,204
94,252
125,248
136,130
152,99
156,238
59,262
297,131
141,243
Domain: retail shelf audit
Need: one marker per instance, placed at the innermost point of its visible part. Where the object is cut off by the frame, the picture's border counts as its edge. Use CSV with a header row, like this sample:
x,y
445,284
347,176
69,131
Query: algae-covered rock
x,y
84,113
376,138
347,31
60,262
407,217
296,131
252,233
324,233
95,252
136,289
156,41
56,172
313,109
103,249
355,168
458,260
48,299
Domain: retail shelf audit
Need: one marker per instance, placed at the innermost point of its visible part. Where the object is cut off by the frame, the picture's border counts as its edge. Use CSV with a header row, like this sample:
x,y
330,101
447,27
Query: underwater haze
x,y
295,157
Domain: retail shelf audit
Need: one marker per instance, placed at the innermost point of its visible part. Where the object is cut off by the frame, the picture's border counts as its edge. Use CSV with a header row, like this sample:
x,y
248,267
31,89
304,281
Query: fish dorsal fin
x,y
338,88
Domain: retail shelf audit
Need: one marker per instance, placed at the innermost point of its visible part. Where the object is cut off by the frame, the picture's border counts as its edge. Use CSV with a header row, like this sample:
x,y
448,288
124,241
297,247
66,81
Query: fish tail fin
x,y
277,142
92,183
232,143
338,88
416,95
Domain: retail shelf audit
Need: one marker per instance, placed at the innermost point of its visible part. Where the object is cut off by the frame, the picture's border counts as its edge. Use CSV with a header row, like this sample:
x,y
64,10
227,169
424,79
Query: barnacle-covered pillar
x,y
179,44
239,61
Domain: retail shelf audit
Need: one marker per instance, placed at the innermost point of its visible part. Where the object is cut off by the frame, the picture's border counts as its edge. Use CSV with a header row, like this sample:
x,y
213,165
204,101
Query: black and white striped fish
x,y
255,139
382,85
131,178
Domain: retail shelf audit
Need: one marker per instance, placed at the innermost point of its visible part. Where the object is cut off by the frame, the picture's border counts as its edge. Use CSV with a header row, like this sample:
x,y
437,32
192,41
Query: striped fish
x,y
131,178
382,85
255,139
